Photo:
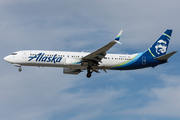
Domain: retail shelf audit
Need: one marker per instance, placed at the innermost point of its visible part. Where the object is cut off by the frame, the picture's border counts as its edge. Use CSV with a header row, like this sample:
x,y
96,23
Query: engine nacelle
x,y
71,71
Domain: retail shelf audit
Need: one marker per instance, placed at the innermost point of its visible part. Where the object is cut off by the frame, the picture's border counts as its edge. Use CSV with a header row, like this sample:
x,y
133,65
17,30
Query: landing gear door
x,y
143,60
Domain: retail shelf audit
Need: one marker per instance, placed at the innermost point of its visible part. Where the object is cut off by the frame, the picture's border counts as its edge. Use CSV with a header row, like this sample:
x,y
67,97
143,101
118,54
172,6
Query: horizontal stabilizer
x,y
166,56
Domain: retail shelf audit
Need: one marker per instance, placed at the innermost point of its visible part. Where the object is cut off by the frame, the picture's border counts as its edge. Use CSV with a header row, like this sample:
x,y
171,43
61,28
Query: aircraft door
x,y
143,60
24,55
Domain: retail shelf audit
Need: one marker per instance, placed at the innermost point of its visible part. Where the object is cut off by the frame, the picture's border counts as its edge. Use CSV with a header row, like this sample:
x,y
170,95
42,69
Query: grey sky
x,y
48,94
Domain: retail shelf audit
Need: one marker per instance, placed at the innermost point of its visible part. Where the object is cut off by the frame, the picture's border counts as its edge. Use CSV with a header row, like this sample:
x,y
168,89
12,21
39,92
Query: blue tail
x,y
160,47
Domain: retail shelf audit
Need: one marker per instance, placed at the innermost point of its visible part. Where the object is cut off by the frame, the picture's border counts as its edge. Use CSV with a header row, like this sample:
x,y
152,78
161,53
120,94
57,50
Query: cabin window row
x,y
73,56
49,55
117,58
57,55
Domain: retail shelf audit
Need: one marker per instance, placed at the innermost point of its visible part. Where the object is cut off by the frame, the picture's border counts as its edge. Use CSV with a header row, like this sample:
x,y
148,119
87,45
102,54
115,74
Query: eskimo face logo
x,y
161,47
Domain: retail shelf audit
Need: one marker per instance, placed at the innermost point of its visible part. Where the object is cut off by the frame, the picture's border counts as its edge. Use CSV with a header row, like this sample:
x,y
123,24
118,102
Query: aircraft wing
x,y
99,54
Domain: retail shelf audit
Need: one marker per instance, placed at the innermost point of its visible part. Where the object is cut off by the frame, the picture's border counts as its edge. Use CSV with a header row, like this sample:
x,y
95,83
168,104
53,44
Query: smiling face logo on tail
x,y
161,47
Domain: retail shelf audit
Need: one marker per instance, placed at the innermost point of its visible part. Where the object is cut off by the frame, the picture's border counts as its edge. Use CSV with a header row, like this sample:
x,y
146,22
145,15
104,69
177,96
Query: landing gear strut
x,y
89,71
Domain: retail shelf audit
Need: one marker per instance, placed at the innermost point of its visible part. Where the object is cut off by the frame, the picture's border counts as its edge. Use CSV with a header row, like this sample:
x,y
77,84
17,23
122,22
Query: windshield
x,y
14,53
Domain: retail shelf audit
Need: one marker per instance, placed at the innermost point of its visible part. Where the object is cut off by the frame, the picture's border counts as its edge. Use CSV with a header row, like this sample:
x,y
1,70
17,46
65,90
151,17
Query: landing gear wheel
x,y
88,75
89,70
20,69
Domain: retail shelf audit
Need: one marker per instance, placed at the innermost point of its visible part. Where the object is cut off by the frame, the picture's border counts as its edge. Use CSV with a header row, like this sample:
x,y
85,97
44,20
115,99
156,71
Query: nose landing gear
x,y
18,65
20,69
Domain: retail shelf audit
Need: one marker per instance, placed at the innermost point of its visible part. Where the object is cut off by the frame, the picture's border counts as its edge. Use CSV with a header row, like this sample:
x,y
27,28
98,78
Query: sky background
x,y
81,25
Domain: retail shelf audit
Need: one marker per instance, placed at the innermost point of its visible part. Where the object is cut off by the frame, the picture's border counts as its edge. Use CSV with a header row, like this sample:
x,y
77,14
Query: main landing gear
x,y
89,71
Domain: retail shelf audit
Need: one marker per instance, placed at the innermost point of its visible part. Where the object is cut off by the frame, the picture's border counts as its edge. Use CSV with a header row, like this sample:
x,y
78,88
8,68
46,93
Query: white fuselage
x,y
75,62
63,59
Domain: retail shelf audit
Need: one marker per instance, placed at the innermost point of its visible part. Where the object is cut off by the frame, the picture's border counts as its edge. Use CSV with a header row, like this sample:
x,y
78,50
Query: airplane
x,y
77,62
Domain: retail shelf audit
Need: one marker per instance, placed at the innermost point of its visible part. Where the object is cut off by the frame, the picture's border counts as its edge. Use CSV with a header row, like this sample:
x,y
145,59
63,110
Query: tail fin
x,y
160,47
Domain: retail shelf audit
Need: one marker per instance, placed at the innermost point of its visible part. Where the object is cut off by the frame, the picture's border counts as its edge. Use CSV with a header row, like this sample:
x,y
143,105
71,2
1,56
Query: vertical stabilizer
x,y
160,47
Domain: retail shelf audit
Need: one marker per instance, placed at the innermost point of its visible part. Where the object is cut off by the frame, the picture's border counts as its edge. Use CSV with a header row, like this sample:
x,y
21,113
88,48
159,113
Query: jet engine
x,y
71,71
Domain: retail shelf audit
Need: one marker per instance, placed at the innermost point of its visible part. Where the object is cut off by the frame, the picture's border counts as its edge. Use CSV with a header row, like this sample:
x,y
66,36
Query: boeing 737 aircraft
x,y
76,62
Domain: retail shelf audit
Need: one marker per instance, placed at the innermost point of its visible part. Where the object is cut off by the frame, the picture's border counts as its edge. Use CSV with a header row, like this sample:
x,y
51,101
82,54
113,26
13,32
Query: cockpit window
x,y
14,53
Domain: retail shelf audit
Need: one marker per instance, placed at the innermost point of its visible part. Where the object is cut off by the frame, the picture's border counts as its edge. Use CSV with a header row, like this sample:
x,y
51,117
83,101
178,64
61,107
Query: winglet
x,y
118,36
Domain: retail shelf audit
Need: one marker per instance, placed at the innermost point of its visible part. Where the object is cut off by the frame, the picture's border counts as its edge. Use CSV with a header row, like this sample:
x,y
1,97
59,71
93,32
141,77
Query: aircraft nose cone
x,y
6,58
